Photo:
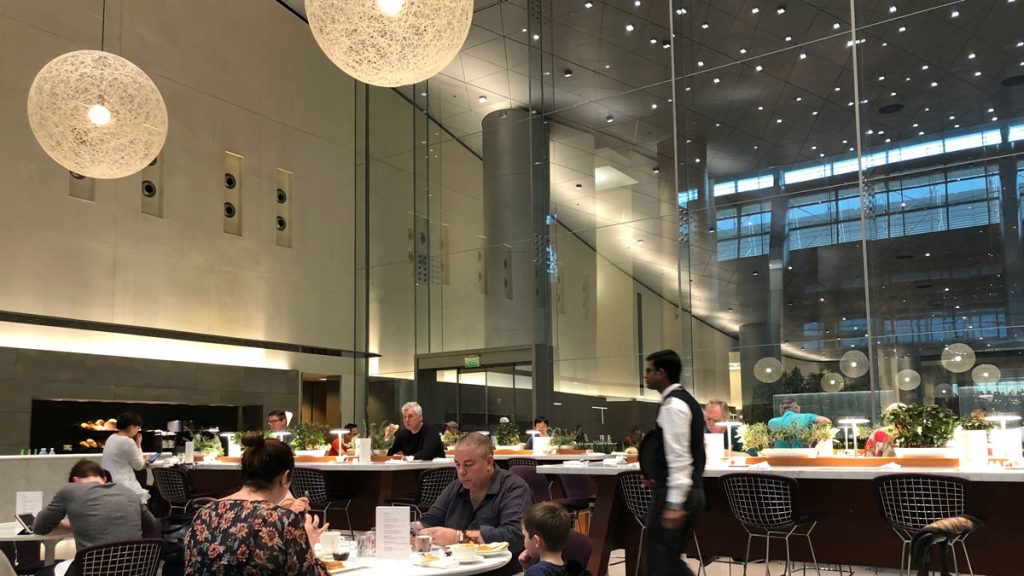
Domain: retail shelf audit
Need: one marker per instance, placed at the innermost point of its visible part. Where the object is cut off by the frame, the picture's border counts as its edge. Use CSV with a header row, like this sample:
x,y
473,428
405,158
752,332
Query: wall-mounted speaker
x,y
81,187
283,204
233,186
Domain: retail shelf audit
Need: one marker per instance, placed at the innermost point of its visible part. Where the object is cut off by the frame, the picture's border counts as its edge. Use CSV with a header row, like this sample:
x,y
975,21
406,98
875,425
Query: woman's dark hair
x,y
668,361
85,469
540,419
263,460
126,419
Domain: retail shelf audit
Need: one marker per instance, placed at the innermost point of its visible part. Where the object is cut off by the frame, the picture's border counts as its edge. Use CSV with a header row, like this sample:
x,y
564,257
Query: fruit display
x,y
100,425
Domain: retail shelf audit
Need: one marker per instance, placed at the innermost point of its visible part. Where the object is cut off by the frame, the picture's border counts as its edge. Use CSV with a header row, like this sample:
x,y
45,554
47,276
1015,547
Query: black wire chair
x,y
909,502
768,507
518,461
128,558
637,497
430,485
175,486
312,484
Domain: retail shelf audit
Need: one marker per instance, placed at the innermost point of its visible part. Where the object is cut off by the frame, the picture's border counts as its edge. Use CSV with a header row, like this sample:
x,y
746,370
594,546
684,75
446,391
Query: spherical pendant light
x,y
768,369
390,42
97,114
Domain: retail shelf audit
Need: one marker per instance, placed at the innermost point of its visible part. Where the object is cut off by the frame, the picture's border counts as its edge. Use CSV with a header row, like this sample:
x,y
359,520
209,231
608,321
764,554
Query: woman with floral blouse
x,y
248,532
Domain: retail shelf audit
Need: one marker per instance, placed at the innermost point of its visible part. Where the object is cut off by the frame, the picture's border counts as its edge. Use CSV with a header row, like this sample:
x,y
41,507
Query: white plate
x,y
349,566
490,553
476,559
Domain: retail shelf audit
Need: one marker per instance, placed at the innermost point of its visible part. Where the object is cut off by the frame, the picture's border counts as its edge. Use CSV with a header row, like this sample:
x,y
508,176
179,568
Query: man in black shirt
x,y
419,440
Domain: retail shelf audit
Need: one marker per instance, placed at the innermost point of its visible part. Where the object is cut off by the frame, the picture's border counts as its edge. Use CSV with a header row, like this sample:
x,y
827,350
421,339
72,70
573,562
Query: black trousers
x,y
662,547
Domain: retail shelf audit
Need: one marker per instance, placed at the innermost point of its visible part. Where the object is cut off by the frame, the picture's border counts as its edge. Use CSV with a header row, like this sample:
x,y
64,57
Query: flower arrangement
x,y
207,444
236,438
880,443
507,434
449,440
309,436
755,436
972,423
759,436
919,426
379,438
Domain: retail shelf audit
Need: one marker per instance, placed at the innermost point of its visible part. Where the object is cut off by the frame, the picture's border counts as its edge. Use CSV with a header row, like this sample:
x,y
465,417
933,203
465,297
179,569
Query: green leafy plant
x,y
449,440
309,436
968,423
507,434
919,426
563,438
207,443
236,438
379,439
755,436
819,433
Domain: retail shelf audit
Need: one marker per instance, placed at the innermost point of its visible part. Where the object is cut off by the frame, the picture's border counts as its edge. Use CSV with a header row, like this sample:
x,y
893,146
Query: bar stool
x,y
312,484
430,485
767,506
909,502
637,497
175,487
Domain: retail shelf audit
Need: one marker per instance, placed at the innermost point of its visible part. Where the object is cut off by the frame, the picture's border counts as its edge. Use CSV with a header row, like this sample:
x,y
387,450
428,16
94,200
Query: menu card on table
x,y
393,533
28,502
364,454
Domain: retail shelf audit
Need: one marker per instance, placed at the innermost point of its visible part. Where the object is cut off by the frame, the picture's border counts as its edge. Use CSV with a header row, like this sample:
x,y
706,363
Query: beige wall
x,y
239,76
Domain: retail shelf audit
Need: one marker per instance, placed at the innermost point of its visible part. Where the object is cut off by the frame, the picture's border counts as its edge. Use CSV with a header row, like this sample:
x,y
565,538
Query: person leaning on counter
x,y
419,440
485,504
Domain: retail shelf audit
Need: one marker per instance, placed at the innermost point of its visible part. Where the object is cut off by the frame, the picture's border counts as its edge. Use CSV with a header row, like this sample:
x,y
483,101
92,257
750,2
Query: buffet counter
x,y
853,532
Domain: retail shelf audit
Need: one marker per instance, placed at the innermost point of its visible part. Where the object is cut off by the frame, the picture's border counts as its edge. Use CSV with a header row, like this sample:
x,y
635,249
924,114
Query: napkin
x,y
613,462
761,466
890,466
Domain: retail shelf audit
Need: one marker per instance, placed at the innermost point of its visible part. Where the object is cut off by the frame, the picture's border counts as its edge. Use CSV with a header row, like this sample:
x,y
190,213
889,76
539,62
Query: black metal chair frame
x,y
312,484
129,558
429,487
637,498
909,502
768,506
175,487
519,461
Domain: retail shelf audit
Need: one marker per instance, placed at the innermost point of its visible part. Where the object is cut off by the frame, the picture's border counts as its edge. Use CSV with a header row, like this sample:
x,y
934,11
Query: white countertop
x,y
344,466
806,472
49,456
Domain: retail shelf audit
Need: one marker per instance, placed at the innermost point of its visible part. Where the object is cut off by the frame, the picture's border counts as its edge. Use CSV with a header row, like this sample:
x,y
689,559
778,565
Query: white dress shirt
x,y
675,417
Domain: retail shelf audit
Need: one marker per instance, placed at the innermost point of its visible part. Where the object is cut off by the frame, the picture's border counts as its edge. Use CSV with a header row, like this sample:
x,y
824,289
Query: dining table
x,y
10,532
371,566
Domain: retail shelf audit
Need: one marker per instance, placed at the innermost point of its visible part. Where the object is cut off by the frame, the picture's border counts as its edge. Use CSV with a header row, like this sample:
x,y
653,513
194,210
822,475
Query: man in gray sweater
x,y
98,512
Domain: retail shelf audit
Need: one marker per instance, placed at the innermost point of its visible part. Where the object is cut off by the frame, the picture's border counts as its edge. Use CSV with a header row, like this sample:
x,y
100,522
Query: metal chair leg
x,y
814,558
956,565
700,557
746,558
767,551
963,544
640,552
788,571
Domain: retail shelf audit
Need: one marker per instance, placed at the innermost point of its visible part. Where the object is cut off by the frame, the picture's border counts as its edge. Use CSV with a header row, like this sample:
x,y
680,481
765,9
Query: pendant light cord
x,y
103,27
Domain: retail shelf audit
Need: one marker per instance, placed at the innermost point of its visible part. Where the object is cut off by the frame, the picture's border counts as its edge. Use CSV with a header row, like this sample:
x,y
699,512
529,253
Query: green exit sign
x,y
471,362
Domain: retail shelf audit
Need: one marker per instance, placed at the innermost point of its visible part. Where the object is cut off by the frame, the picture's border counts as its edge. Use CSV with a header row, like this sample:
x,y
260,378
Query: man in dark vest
x,y
672,458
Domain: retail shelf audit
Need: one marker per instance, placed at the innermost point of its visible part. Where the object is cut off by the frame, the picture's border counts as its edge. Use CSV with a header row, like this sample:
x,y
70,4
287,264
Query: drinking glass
x,y
423,543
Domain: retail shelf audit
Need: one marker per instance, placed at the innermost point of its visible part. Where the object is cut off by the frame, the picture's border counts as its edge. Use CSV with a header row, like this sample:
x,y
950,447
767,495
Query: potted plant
x,y
507,435
564,442
921,431
310,439
207,445
380,440
972,442
755,436
235,443
449,440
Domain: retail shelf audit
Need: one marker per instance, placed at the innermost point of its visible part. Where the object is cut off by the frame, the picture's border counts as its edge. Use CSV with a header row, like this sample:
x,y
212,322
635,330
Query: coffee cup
x,y
463,552
329,541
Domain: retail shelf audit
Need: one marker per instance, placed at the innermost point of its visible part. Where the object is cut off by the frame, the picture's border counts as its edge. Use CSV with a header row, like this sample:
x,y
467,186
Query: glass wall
x,y
817,201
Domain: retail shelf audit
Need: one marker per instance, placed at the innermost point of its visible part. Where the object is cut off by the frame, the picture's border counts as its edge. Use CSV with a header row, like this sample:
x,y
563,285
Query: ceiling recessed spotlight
x,y
636,2
902,29
870,132
934,84
915,125
821,155
972,56
798,99
977,73
482,99
588,4
567,73
920,132
716,80
579,186
892,94
924,66
655,169
781,9
995,118
850,103
666,44
815,113
755,147
697,160
629,28
814,147
609,118
760,108
956,125
654,106
892,9
755,10
536,36
640,241
778,120
927,109
653,40
952,117
836,26
803,56
700,63
705,25
991,110
1020,44
887,140
837,88
607,66
881,78
758,67
954,14
743,50
680,11
789,38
